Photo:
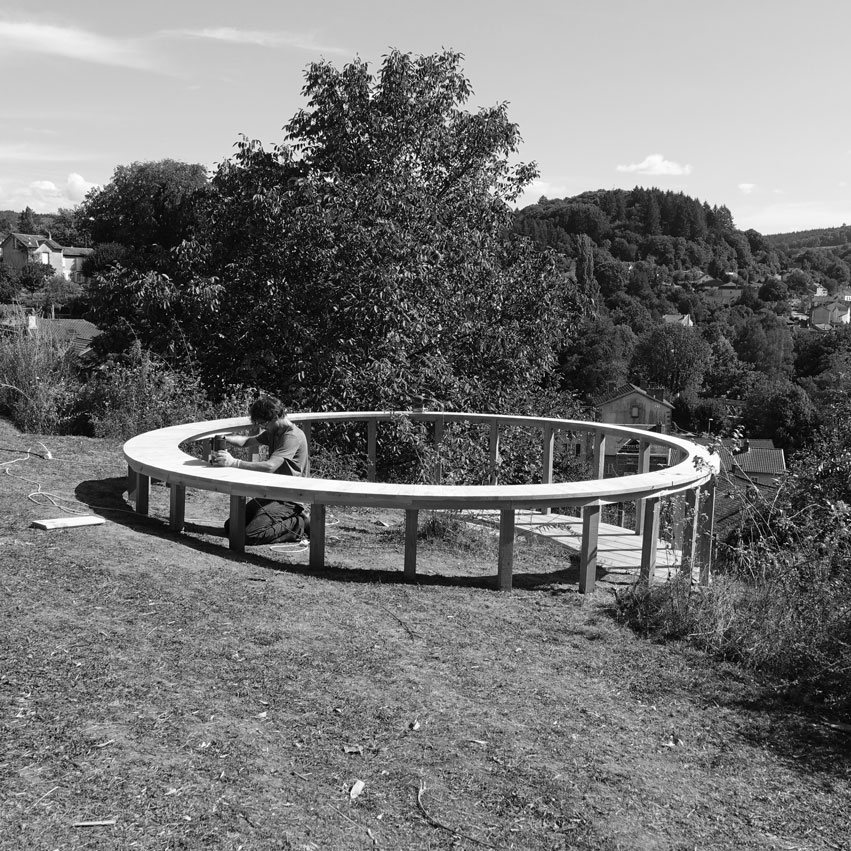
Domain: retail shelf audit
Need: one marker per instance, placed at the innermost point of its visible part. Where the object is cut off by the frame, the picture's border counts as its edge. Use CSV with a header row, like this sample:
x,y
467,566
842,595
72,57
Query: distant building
x,y
631,405
830,315
19,249
683,319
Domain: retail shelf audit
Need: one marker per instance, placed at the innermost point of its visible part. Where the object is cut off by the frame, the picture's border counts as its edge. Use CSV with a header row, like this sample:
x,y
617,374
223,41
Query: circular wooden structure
x,y
157,455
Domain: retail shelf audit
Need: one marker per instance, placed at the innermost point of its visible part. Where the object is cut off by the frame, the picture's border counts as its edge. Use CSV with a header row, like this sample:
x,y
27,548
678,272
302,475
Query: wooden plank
x,y
649,538
143,493
177,507
690,526
590,544
371,440
643,467
317,536
132,484
599,466
236,527
493,453
505,567
618,549
706,530
547,446
411,529
68,522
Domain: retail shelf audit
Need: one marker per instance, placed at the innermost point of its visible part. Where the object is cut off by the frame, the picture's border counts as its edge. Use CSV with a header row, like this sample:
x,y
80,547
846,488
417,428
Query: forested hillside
x,y
659,260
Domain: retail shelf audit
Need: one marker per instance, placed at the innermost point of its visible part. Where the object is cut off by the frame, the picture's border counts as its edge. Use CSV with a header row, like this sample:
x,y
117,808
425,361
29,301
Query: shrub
x,y
141,394
38,384
780,601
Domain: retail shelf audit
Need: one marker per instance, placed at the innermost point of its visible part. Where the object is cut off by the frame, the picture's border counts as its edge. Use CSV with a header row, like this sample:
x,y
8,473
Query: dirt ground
x,y
158,691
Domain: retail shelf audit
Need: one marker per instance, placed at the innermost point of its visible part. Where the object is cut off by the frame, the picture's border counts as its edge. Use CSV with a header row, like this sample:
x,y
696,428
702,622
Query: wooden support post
x,y
588,551
132,484
411,529
493,453
690,526
650,539
236,524
505,567
371,439
548,442
307,428
437,474
177,507
317,536
643,467
599,468
143,493
678,510
706,530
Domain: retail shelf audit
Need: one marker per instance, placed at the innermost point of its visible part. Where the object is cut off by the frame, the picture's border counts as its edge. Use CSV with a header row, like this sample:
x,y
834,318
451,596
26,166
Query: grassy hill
x,y
159,691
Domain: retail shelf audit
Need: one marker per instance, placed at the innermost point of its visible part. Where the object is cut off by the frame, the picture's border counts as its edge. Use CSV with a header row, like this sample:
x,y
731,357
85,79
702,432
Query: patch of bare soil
x,y
160,692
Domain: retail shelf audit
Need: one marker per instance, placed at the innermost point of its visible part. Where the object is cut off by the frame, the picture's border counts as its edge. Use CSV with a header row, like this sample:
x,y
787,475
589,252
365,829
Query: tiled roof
x,y
762,461
731,499
73,251
625,390
30,240
760,457
80,332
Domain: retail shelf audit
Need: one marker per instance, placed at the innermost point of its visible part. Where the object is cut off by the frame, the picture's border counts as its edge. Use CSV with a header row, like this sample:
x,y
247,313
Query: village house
x,y
631,405
830,315
19,249
683,319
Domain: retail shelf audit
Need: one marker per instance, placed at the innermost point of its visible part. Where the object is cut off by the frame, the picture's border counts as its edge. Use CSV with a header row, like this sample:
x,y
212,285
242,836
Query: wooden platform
x,y
618,549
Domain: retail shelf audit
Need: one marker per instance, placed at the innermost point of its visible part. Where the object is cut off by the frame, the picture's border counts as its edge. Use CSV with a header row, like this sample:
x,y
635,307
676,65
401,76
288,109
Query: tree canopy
x,y
147,206
369,255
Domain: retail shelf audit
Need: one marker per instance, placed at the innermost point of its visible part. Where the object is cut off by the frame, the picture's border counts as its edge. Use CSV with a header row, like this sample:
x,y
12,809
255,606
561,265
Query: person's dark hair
x,y
266,408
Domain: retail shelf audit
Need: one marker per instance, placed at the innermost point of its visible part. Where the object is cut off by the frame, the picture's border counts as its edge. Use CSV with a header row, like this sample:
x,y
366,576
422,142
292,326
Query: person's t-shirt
x,y
288,444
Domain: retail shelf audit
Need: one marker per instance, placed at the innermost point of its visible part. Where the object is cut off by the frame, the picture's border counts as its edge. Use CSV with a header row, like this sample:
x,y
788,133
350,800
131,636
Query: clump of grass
x,y
783,623
449,529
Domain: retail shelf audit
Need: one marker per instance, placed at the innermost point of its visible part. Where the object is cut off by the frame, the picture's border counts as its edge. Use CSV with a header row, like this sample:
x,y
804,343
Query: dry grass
x,y
160,692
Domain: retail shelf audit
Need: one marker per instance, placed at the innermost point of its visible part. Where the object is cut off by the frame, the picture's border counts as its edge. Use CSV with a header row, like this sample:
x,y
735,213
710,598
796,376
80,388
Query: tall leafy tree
x,y
671,356
149,207
28,221
369,255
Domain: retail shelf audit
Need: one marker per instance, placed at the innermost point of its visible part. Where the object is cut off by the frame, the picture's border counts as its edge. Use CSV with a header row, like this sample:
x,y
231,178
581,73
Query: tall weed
x,y
38,383
141,394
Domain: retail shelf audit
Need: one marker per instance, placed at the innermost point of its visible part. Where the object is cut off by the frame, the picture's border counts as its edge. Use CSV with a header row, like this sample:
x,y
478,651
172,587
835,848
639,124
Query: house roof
x,y
51,244
626,390
74,251
732,494
29,240
80,332
674,318
759,458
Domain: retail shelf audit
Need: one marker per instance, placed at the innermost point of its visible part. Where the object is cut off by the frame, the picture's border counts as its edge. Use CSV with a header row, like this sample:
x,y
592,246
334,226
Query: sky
x,y
736,102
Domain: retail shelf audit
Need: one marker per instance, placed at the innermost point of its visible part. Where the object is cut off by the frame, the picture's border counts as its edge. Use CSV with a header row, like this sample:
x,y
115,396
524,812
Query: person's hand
x,y
223,458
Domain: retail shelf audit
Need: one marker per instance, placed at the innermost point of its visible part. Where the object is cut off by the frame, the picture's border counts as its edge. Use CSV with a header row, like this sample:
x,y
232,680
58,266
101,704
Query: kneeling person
x,y
269,521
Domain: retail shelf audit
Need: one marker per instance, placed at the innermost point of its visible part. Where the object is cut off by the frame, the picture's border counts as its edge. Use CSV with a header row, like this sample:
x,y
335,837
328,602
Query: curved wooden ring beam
x,y
157,454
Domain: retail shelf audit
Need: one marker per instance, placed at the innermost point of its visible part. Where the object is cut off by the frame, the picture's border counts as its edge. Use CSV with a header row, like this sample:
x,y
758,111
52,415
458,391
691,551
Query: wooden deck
x,y
618,549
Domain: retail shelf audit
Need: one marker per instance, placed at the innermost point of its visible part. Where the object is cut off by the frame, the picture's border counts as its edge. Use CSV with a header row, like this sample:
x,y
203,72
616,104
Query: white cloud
x,y
747,188
45,196
72,43
259,38
78,186
656,165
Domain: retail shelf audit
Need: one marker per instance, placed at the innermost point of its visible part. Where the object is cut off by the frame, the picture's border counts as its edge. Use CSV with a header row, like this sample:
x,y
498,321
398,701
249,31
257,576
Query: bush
x,y
780,601
38,384
141,394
